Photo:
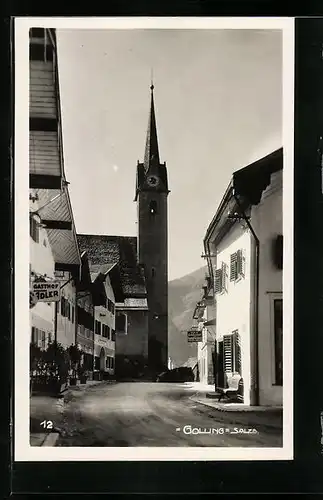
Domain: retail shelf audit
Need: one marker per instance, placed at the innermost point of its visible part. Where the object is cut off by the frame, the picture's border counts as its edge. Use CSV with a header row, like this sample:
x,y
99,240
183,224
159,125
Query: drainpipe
x,y
256,308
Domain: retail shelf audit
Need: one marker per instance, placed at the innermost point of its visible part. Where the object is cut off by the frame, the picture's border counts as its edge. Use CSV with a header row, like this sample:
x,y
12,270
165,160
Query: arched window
x,y
153,207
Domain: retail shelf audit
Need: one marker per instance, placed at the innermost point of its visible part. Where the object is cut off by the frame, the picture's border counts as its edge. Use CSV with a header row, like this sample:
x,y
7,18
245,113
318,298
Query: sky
x,y
218,102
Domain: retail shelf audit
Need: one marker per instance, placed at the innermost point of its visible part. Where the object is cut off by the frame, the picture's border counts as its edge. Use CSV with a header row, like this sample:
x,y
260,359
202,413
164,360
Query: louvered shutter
x,y
233,266
240,263
227,353
218,281
237,352
224,276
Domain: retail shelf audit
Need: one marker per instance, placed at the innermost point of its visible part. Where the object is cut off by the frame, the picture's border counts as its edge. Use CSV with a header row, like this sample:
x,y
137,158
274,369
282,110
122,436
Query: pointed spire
x,y
151,151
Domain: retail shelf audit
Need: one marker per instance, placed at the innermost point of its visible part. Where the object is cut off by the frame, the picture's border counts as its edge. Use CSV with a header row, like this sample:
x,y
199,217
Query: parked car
x,y
181,374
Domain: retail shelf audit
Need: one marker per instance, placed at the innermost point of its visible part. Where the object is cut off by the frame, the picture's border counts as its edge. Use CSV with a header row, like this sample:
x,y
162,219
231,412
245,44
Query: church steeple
x,y
151,152
151,174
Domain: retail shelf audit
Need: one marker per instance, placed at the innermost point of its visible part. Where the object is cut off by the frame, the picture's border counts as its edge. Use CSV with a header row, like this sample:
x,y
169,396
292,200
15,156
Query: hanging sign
x,y
194,336
46,291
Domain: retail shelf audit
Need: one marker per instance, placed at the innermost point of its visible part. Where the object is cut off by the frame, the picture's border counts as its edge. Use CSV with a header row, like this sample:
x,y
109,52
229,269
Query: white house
x,y
42,265
53,243
203,315
108,285
243,247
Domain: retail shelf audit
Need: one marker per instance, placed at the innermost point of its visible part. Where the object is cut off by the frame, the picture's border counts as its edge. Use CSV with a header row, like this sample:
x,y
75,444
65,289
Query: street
x,y
152,414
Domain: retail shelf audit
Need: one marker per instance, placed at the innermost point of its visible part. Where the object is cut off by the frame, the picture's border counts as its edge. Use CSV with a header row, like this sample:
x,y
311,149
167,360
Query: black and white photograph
x,y
154,238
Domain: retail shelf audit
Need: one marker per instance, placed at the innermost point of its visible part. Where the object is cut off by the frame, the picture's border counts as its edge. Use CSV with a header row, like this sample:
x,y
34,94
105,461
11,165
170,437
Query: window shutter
x,y
240,263
233,266
224,276
218,281
237,352
227,353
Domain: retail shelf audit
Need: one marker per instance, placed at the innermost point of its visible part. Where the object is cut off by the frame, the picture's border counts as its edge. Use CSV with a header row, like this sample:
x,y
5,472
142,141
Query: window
x,y
113,335
73,314
220,279
34,335
153,207
105,331
107,363
43,340
232,352
62,306
237,265
97,327
34,229
278,339
96,363
112,362
278,251
121,322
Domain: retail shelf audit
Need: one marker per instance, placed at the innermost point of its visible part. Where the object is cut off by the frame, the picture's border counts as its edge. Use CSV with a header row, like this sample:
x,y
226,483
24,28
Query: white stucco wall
x,y
42,263
105,317
233,305
205,348
266,219
66,328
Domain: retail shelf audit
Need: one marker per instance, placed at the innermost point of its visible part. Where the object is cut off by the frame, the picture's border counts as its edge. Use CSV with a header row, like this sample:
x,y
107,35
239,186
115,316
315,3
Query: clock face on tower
x,y
153,181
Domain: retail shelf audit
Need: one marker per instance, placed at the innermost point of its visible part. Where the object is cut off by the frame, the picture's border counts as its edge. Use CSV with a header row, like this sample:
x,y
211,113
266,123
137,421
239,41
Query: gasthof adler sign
x,y
46,292
194,336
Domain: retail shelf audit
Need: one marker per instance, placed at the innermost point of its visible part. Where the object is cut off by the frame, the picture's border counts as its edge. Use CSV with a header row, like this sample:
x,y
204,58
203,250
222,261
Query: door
x,y
220,365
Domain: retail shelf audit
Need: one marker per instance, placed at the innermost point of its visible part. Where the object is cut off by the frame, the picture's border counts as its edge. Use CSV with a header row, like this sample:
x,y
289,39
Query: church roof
x,y
151,150
103,251
151,164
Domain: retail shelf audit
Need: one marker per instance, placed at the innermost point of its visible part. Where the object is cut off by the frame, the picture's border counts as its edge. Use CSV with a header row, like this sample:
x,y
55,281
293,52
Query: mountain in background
x,y
183,294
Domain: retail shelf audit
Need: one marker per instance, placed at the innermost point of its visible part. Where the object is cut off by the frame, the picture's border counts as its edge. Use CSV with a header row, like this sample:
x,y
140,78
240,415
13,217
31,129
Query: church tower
x,y
151,197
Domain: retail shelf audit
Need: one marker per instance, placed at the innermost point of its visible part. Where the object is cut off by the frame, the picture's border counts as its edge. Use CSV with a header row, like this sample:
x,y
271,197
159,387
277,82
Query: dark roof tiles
x,y
103,251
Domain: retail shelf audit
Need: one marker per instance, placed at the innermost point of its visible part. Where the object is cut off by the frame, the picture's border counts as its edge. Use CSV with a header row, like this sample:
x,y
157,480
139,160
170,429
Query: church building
x,y
142,318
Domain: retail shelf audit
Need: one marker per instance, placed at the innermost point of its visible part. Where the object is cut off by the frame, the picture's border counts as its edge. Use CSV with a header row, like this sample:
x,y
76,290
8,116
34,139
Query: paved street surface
x,y
151,414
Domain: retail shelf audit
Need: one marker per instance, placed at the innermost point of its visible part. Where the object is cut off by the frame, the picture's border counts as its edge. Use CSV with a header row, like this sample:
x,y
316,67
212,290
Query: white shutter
x,y
227,353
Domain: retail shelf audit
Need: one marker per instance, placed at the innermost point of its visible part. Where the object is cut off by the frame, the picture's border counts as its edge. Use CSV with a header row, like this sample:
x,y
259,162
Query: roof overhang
x,y
250,182
55,213
247,184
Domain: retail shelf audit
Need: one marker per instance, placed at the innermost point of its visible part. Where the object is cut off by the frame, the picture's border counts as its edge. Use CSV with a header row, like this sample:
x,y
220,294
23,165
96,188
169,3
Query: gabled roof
x,y
103,251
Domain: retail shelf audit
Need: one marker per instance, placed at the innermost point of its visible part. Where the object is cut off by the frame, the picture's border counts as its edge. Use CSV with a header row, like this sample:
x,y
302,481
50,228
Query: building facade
x,y
118,254
243,246
104,328
203,317
66,309
85,316
53,244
